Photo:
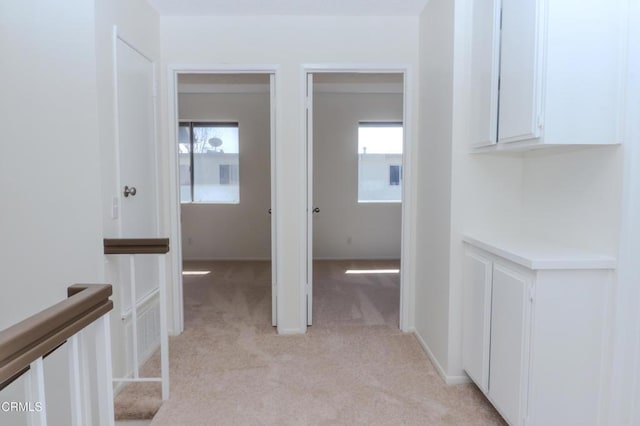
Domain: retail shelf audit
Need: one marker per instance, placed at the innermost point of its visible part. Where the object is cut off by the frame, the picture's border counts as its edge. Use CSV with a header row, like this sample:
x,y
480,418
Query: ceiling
x,y
289,7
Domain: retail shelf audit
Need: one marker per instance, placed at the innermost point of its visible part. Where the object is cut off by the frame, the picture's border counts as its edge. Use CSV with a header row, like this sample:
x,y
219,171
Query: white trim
x,y
273,201
449,380
116,124
308,288
175,234
407,280
358,88
227,259
289,331
383,258
195,88
407,273
303,188
191,88
623,402
173,71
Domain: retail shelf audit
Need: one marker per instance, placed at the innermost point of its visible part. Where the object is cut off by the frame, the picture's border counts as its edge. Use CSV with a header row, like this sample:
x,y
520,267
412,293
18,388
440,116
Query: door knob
x,y
316,210
269,211
129,191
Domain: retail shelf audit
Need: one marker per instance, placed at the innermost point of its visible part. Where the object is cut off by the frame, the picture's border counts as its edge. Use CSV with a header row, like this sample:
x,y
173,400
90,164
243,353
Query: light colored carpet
x,y
354,366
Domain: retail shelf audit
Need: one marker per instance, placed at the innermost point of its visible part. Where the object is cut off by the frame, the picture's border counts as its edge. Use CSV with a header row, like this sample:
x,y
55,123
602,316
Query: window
x,y
380,162
228,174
395,174
209,166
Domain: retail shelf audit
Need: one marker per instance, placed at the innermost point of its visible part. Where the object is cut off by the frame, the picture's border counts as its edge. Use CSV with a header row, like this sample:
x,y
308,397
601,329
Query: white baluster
x,y
134,315
35,394
104,370
75,379
164,334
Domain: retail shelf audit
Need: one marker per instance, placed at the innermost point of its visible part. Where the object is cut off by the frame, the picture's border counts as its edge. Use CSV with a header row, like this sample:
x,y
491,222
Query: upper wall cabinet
x,y
547,73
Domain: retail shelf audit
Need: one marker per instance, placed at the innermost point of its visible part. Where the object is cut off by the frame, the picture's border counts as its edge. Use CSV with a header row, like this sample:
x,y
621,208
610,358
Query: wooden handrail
x,y
42,333
136,245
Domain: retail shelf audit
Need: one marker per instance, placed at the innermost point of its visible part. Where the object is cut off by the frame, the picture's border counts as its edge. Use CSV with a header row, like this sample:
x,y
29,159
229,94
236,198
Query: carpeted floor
x,y
354,366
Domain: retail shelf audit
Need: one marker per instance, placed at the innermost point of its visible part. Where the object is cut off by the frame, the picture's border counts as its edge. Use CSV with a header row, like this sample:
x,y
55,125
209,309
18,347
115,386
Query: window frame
x,y
191,124
382,123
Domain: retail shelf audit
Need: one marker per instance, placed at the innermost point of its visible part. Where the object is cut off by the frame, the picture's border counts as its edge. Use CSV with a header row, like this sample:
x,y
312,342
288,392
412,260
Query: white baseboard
x,y
359,258
221,259
449,380
287,331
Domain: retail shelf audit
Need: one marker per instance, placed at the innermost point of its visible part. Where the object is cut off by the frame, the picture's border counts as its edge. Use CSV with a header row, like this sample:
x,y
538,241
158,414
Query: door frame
x,y
174,71
407,281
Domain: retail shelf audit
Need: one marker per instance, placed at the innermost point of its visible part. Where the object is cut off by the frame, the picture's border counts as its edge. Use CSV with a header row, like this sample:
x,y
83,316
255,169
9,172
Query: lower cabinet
x,y
534,341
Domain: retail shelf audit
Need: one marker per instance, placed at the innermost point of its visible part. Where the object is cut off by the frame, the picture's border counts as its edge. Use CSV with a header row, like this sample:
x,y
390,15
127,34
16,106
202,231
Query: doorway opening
x,y
224,193
356,161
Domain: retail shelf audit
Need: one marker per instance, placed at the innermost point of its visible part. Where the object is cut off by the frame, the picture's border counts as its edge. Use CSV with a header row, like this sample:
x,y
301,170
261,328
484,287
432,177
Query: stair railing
x,y
24,346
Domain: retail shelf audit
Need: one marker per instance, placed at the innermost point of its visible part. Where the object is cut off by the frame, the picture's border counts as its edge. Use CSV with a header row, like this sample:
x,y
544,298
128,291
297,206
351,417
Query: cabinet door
x,y
519,74
510,324
485,53
476,318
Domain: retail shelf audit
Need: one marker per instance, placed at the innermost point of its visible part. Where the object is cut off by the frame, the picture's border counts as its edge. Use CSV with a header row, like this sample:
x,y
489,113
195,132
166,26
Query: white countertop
x,y
540,255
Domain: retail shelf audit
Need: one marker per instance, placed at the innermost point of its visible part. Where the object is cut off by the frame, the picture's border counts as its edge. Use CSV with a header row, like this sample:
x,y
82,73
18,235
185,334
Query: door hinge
x,y
307,102
539,122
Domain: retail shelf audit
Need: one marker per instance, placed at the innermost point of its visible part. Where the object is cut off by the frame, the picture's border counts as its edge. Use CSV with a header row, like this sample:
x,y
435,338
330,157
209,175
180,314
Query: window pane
x,y
184,155
215,163
394,175
379,162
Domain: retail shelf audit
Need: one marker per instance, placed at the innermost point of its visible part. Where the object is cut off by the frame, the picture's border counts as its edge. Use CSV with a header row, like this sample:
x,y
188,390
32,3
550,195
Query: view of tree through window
x,y
380,162
209,166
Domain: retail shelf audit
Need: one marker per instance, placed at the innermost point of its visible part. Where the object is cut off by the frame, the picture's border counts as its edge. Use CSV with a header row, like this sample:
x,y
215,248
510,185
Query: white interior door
x,y
309,122
136,140
272,118
136,159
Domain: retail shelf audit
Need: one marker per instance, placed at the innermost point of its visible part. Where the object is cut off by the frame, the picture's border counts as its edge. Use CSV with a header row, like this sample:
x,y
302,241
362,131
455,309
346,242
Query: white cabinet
x,y
510,311
476,305
546,73
535,332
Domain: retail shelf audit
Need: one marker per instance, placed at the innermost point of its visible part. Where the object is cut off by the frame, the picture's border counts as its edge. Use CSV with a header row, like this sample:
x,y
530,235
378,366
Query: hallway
x,y
354,366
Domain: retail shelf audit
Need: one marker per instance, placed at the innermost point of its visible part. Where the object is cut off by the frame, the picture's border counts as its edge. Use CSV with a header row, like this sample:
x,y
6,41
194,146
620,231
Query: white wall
x,y
624,401
50,223
289,42
233,231
434,178
51,220
574,198
344,228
